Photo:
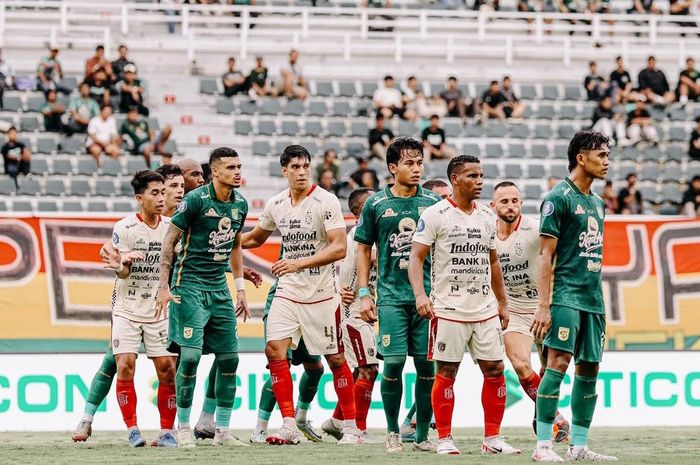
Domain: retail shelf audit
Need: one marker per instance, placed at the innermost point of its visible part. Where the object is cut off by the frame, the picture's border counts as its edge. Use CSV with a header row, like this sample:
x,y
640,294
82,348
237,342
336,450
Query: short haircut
x,y
84,83
411,78
452,78
695,178
328,152
107,106
506,78
169,171
388,77
592,63
584,141
697,120
458,161
380,116
502,185
651,57
434,117
400,145
431,184
221,152
356,197
100,47
12,128
142,178
494,83
629,175
121,46
294,151
618,58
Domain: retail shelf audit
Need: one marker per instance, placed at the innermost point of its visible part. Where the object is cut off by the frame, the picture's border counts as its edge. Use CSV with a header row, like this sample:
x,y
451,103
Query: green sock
x,y
425,372
409,415
209,406
210,392
308,387
227,365
391,387
547,403
267,401
101,383
583,400
185,381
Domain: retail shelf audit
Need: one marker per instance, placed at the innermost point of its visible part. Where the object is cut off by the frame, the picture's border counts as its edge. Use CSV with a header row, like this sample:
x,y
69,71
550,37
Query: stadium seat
x,y
280,145
336,128
516,150
651,152
22,206
672,172
313,128
491,170
324,88
496,129
44,206
317,108
332,145
407,128
72,145
80,187
474,130
550,92
7,185
347,89
546,111
368,88
341,108
678,113
28,186
536,171
3,205
224,106
274,169
242,127
568,112
69,82
134,164
487,191
675,153
12,102
649,172
125,188
55,187
540,151
649,192
543,131
290,128
668,208
271,107
35,102
61,166
266,127
311,146
39,166
364,108
471,149
559,171
105,187
294,108
631,152
73,206
678,134
122,206
247,107
513,171
494,150
530,209
532,191
573,92
528,92
356,149
46,145
87,166
670,192
359,129
566,131
97,206
519,131
29,124
261,147
208,86
452,128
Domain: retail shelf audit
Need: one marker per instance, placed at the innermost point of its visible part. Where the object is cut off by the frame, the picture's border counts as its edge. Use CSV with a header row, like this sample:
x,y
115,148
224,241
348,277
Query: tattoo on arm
x,y
167,254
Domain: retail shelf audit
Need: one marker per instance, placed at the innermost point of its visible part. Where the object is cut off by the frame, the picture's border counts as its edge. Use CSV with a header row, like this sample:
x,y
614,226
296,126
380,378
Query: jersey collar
x,y
387,191
212,193
308,194
452,202
138,216
575,188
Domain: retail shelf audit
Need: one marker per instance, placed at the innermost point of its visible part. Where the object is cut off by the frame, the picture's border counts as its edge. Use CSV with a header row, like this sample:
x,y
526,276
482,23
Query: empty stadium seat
x,y
12,102
44,206
313,128
242,127
80,187
73,145
28,186
39,165
294,108
267,127
72,206
346,89
208,86
55,187
224,106
97,206
87,166
46,145
261,147
7,185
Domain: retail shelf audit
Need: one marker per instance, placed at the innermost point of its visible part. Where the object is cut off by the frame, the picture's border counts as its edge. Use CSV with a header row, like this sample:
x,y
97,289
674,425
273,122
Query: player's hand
x,y
347,295
110,255
285,266
541,322
163,298
242,306
425,307
368,310
253,276
504,316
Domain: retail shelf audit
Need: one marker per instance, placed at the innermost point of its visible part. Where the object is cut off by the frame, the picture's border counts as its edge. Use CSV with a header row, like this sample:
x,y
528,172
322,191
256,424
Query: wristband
x,y
240,284
363,292
121,268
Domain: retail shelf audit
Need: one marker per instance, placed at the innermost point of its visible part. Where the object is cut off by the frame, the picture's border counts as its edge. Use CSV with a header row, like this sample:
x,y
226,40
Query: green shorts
x,y
577,332
300,355
203,320
402,331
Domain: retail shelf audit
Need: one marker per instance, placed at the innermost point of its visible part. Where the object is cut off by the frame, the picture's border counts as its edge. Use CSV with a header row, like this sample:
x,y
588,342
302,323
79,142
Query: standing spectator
x,y
688,85
691,198
435,143
49,73
103,136
596,87
629,200
694,148
327,181
621,82
15,155
329,163
53,111
379,138
388,100
364,176
257,80
233,80
513,107
454,97
293,84
492,103
654,85
143,140
7,77
608,122
131,91
120,63
639,123
100,90
609,198
82,110
97,62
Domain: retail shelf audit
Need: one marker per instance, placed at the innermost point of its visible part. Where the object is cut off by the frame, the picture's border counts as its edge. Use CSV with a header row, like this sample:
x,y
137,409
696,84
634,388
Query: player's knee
x,y
227,363
492,369
587,369
335,360
368,372
125,368
314,367
189,355
447,370
166,372
273,352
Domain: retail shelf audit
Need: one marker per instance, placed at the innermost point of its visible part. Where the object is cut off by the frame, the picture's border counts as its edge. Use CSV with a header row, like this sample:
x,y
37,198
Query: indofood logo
x,y
509,268
593,238
402,240
299,237
470,248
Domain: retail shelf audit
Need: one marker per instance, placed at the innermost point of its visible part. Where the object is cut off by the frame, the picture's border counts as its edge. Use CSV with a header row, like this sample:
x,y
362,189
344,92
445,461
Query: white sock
x,y
131,428
289,421
489,438
684,99
337,423
349,424
546,444
301,415
261,425
576,449
206,418
87,417
660,100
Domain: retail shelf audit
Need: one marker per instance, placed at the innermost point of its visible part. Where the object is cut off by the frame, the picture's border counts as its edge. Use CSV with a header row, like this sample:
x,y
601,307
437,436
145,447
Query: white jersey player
x,y
467,306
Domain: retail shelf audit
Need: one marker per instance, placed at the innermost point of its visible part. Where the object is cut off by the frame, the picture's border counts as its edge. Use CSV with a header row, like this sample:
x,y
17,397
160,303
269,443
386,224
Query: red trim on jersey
x,y
313,188
465,321
303,303
432,334
138,215
520,220
357,346
449,199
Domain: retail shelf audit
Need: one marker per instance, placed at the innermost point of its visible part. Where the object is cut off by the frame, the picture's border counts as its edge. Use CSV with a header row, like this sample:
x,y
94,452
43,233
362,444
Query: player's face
x,y
468,180
443,191
363,200
596,162
409,169
152,200
174,191
507,204
297,173
194,178
227,171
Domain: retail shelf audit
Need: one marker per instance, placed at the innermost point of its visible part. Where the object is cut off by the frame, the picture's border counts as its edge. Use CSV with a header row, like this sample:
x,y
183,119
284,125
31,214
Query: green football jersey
x,y
210,227
389,222
576,220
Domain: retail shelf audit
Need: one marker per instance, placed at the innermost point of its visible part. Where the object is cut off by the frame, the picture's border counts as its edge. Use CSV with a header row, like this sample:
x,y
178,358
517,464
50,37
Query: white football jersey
x,y
134,298
518,258
348,277
303,228
461,266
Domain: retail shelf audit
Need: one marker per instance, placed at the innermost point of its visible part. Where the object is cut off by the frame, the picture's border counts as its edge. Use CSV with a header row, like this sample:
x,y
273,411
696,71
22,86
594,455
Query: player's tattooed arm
x,y
499,289
167,255
419,252
333,252
368,310
543,318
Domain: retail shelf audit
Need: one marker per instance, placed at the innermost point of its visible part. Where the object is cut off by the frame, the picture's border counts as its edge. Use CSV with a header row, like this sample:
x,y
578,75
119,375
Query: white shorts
x,y
520,323
127,336
360,343
317,323
448,340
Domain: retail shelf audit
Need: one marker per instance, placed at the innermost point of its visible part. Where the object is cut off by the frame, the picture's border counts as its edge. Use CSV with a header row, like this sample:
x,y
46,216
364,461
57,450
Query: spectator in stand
x,y
103,136
595,84
379,138
485,5
329,163
142,139
681,8
621,83
82,110
49,73
513,107
438,186
100,89
435,143
654,85
644,7
131,91
688,83
97,62
327,181
599,6
258,85
609,198
53,111
694,148
233,80
492,104
552,181
364,176
120,63
15,155
454,97
608,122
629,200
292,85
7,77
410,96
388,100
428,107
691,198
640,123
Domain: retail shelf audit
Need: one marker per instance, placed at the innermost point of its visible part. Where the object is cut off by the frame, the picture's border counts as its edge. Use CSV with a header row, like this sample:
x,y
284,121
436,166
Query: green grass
x,y
677,446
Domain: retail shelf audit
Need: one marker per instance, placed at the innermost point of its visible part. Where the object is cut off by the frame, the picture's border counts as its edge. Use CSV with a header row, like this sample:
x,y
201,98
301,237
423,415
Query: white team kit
x,y
306,303
466,310
134,298
358,335
518,258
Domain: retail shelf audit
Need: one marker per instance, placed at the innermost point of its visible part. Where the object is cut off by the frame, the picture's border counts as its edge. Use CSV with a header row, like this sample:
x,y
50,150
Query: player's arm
x,y
236,262
499,289
118,257
330,254
543,318
167,255
255,238
368,309
419,252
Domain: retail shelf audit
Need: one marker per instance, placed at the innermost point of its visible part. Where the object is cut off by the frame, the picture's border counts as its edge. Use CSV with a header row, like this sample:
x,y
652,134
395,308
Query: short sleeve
x,y
120,239
551,215
333,214
366,232
91,127
267,219
122,128
187,211
427,228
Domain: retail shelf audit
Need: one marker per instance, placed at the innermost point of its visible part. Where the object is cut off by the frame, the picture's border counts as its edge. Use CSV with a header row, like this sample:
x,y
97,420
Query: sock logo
x,y
501,393
122,399
563,334
342,383
172,405
449,393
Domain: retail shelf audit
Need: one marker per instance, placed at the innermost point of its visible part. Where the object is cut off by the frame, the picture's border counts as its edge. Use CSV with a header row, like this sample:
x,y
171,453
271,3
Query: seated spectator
x,y
81,110
292,85
654,85
438,186
435,143
644,7
608,122
49,73
100,90
7,77
681,8
492,103
364,176
485,5
639,123
258,84
599,6
379,138
120,63
596,87
131,92
327,181
15,155
567,6
329,163
691,198
609,198
513,107
410,96
621,83
688,83
233,80
552,181
455,99
53,112
103,136
388,100
97,62
142,140
629,200
694,148
428,107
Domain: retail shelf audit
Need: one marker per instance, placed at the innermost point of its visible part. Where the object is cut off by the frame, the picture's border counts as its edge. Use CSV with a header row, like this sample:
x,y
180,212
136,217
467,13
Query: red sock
x,y
166,405
493,399
530,385
363,397
443,399
345,390
126,398
338,412
281,379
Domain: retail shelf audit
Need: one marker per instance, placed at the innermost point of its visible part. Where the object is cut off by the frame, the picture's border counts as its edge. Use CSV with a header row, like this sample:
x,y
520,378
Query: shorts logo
x,y
389,213
370,352
449,393
187,333
563,334
441,346
115,343
547,208
386,340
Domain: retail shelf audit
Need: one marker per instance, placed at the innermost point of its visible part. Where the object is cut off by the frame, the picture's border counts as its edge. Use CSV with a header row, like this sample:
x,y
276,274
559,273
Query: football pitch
x,y
677,446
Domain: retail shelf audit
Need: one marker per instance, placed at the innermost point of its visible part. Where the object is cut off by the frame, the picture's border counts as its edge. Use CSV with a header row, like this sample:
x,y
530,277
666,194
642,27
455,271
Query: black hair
x,y
584,141
99,47
169,171
431,184
651,57
411,78
591,63
11,128
399,146
325,154
388,76
459,161
221,152
379,116
618,58
355,197
629,175
494,83
434,116
121,46
697,120
83,83
294,151
206,173
503,184
506,77
107,106
142,178
452,78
